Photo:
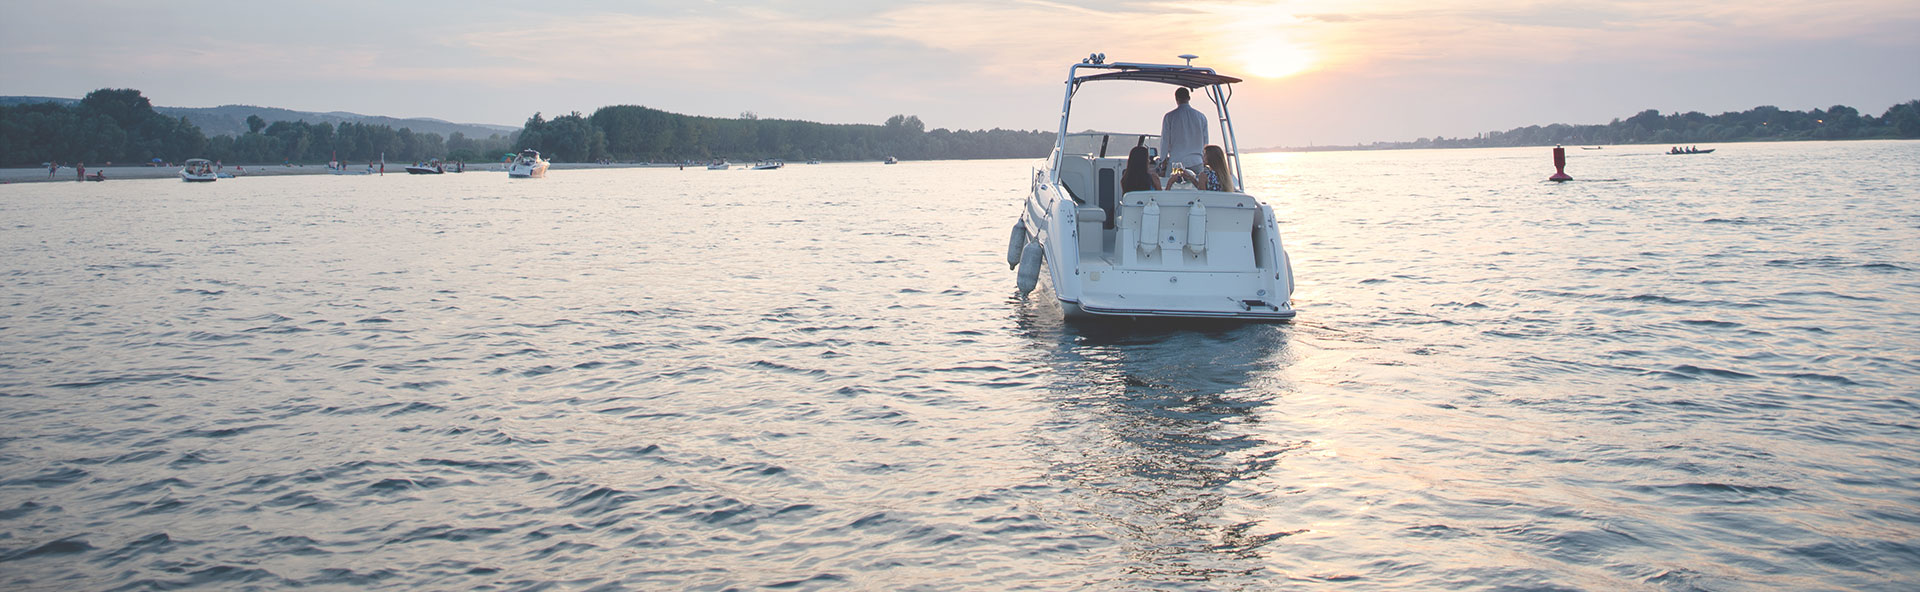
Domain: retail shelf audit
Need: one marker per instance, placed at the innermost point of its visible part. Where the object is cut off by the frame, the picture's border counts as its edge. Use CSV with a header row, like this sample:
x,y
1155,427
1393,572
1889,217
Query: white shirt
x,y
1183,136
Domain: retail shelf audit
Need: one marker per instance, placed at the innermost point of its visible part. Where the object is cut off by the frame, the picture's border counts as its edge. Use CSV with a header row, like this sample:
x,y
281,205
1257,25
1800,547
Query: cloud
x,y
956,64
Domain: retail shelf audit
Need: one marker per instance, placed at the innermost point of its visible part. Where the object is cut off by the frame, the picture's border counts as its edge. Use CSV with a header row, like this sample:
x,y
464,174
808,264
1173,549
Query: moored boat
x,y
426,168
1180,252
768,165
719,164
198,170
528,165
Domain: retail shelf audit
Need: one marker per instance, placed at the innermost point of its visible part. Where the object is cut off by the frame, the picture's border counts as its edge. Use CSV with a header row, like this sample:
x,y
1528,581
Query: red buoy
x,y
1559,165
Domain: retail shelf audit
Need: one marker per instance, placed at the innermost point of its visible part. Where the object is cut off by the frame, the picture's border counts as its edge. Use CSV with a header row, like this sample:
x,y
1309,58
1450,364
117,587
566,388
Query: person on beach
x,y
81,170
52,169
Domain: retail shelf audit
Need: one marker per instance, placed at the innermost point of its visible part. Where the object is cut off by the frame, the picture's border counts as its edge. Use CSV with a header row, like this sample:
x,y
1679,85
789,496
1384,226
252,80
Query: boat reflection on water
x,y
1158,444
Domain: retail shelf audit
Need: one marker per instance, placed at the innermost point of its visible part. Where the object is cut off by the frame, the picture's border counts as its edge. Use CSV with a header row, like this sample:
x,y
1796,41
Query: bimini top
x,y
1188,76
1174,75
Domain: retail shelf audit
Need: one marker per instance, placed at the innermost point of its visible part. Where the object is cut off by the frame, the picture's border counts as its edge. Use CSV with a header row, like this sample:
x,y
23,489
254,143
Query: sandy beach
x,y
121,173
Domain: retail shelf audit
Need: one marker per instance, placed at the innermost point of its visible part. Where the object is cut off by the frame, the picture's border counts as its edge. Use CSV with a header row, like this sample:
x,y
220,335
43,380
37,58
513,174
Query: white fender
x,y
1197,227
1014,243
1150,228
1030,258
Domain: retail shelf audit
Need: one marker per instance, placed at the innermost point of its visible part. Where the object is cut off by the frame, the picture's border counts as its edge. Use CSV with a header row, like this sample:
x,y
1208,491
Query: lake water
x,y
1674,373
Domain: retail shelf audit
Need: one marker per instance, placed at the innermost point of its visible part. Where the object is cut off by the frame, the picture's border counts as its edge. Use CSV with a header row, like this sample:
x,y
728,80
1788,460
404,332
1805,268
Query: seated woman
x,y
1136,177
1219,179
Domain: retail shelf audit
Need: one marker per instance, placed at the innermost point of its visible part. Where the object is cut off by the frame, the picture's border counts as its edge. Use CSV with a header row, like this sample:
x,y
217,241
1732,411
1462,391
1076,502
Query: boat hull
x,y
1238,272
1078,311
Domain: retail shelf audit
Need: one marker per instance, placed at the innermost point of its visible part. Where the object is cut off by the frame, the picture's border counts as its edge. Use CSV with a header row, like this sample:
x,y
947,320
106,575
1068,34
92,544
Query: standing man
x,y
1183,132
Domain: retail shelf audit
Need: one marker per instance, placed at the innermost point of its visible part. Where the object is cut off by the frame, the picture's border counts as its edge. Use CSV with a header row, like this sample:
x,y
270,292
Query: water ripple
x,y
1691,375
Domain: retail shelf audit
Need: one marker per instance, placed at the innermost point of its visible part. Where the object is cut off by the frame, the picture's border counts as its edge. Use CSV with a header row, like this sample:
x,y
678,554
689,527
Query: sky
x,y
1317,71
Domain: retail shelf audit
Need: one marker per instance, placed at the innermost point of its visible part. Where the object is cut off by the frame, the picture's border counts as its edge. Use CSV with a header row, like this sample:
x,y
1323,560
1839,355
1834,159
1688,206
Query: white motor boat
x,y
768,165
1180,252
718,165
198,170
427,168
528,165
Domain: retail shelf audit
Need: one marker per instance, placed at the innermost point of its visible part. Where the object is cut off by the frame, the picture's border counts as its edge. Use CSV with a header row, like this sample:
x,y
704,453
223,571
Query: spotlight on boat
x,y
1189,58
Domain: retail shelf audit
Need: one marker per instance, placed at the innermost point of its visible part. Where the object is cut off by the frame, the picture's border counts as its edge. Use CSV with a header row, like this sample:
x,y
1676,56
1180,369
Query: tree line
x,y
121,126
635,133
1764,123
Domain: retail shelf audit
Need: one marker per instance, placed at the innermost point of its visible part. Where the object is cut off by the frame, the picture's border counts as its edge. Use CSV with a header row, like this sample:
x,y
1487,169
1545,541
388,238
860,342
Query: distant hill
x,y
1765,123
11,101
231,120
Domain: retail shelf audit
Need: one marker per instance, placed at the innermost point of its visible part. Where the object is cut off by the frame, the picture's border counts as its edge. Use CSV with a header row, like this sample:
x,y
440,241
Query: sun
x,y
1274,58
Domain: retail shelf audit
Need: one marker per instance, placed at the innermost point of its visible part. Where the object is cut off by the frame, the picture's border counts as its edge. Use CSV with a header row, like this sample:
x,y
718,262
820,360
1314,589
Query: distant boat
x,y
528,165
813,161
767,165
430,168
891,160
718,164
198,170
1678,150
1593,148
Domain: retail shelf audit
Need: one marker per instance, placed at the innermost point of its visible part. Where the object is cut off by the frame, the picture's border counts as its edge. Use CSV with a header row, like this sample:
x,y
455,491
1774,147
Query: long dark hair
x,y
1136,177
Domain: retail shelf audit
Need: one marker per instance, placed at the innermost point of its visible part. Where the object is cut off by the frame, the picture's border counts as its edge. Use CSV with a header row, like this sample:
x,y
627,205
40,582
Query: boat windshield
x,y
1108,144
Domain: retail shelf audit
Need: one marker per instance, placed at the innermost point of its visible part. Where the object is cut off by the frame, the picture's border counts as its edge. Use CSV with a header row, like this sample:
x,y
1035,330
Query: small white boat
x,y
813,161
198,170
428,168
528,165
890,160
767,165
1180,252
719,164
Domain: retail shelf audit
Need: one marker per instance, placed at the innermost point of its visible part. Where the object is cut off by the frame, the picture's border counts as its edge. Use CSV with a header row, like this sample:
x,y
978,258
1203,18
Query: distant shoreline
x,y
10,176
1405,146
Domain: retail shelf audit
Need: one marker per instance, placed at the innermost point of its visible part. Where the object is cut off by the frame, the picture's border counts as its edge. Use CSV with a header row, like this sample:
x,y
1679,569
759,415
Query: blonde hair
x,y
1217,160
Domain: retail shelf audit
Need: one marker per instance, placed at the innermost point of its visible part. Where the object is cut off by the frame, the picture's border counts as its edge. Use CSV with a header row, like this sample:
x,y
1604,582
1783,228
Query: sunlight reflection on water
x,y
1674,373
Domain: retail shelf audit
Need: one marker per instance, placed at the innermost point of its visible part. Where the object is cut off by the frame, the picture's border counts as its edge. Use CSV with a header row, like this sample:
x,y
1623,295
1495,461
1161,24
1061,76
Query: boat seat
x,y
1094,181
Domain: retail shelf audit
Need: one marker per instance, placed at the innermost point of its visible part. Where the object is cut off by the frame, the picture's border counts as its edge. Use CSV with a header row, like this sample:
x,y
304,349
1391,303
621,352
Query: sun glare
x,y
1272,58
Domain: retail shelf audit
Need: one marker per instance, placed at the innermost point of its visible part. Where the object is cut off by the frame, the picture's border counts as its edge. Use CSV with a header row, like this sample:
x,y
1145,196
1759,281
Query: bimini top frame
x,y
1184,76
